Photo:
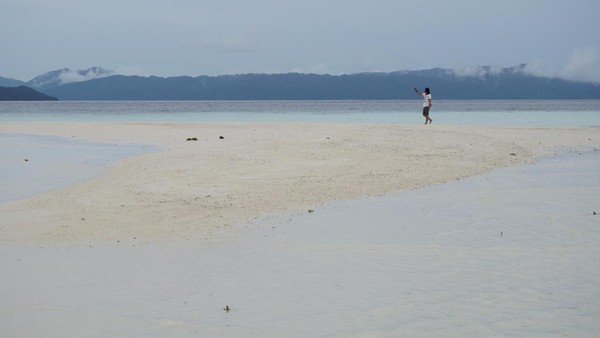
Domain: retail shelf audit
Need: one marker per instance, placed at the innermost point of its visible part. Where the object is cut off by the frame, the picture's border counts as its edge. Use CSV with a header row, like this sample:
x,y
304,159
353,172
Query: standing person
x,y
426,104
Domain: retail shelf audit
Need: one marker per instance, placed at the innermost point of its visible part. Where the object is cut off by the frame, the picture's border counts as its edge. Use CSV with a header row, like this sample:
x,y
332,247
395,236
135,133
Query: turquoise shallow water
x,y
33,164
510,253
488,112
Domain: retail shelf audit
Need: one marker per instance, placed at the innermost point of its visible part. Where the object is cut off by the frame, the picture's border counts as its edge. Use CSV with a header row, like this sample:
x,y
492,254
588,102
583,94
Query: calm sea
x,y
566,113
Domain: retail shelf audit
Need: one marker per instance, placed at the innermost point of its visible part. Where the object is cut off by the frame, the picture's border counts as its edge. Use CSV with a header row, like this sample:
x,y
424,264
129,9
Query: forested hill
x,y
23,93
509,83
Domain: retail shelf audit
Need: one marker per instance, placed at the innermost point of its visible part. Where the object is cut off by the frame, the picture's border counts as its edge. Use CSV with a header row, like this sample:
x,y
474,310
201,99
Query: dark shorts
x,y
425,111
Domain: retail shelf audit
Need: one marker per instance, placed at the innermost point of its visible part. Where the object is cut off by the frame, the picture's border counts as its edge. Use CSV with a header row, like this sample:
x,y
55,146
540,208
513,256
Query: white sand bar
x,y
189,189
511,253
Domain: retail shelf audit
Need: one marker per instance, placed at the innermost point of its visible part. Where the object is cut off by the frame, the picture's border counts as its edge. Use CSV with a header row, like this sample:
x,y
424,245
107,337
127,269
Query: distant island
x,y
485,83
23,93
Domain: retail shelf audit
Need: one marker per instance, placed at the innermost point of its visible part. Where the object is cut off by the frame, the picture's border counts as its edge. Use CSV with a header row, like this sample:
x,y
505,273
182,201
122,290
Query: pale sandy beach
x,y
162,244
188,189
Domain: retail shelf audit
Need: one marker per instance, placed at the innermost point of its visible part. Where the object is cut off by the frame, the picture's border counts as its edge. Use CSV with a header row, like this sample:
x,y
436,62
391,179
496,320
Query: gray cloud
x,y
584,64
186,37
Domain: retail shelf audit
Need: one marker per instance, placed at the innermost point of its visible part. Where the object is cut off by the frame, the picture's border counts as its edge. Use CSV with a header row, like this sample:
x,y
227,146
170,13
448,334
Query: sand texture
x,y
189,189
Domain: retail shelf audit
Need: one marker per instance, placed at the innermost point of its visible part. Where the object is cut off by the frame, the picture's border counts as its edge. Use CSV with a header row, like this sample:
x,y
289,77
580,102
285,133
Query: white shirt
x,y
426,98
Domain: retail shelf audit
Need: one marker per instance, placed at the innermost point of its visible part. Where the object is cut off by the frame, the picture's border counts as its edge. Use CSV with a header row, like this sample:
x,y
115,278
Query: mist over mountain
x,y
483,83
63,76
477,83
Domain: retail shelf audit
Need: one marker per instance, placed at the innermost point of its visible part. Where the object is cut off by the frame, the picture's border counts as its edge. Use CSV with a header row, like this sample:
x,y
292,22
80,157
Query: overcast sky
x,y
212,37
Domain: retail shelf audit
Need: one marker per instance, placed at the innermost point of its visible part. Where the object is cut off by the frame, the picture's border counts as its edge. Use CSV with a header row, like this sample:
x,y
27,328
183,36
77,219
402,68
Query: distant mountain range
x,y
58,77
7,82
485,83
23,93
63,76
